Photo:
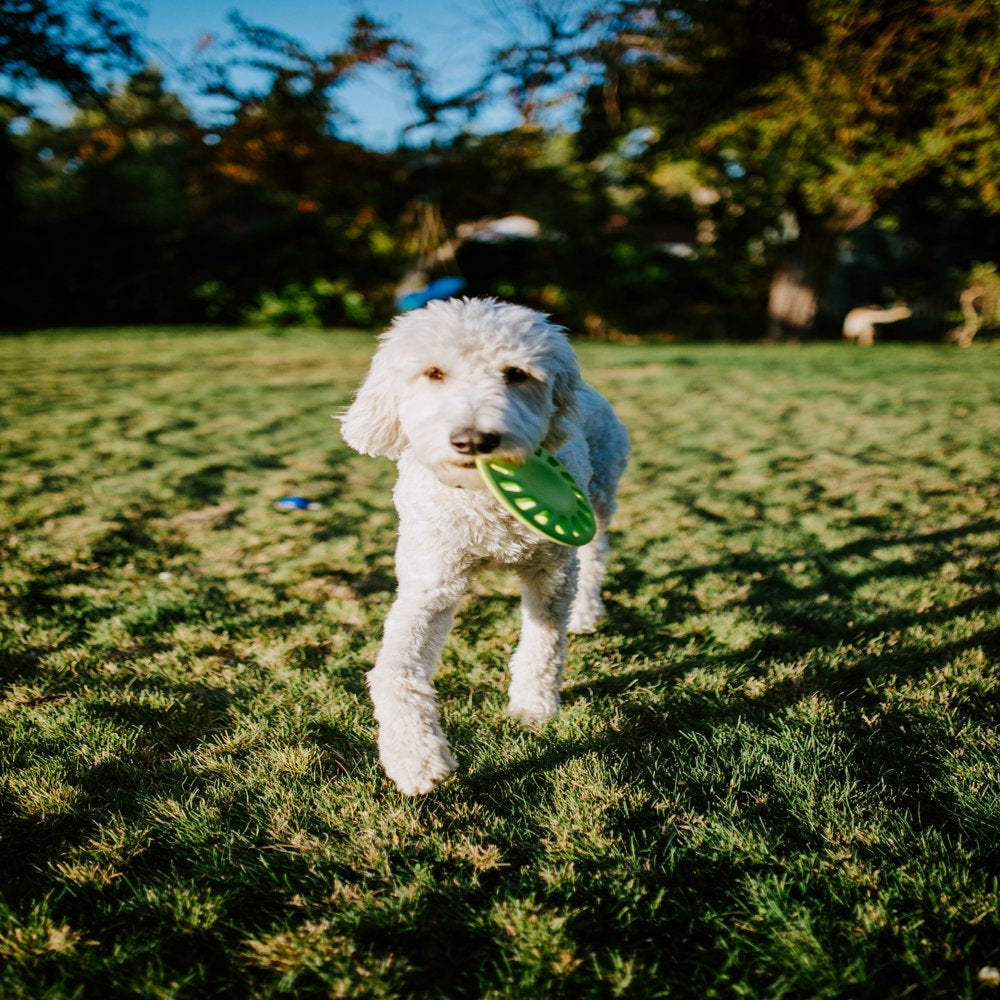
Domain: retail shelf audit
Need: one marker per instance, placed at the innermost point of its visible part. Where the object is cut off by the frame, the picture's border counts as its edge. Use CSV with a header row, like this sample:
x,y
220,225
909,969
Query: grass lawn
x,y
777,772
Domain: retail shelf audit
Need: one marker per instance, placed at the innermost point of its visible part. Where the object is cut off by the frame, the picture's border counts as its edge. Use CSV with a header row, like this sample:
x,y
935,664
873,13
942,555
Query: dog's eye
x,y
514,376
434,375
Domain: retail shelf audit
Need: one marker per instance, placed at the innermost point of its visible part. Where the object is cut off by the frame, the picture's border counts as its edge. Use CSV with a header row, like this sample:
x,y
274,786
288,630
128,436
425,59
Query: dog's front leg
x,y
588,608
412,747
537,664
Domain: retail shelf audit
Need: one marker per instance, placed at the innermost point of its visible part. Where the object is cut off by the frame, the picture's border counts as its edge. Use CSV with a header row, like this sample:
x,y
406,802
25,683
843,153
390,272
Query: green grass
x,y
778,768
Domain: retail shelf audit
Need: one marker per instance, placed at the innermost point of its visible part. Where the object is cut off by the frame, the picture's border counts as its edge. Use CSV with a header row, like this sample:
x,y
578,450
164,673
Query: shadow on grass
x,y
663,895
194,712
749,562
805,616
659,894
667,886
201,834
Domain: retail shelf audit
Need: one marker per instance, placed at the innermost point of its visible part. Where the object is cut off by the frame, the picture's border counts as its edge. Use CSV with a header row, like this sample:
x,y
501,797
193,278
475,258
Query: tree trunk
x,y
799,281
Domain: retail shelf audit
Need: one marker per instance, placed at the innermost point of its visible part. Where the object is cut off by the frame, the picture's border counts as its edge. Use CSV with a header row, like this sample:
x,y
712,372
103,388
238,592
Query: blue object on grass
x,y
297,503
440,288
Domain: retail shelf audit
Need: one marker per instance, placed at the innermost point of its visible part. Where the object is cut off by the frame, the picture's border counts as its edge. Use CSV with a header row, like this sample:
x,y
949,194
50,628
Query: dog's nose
x,y
473,442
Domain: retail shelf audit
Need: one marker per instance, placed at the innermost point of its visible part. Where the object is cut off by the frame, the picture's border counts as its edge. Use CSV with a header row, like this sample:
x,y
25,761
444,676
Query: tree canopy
x,y
730,168
71,45
813,117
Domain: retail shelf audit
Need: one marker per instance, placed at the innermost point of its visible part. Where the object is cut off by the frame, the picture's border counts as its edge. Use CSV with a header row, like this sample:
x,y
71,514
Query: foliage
x,y
299,305
102,210
175,222
298,72
829,107
888,95
70,44
807,118
724,166
775,772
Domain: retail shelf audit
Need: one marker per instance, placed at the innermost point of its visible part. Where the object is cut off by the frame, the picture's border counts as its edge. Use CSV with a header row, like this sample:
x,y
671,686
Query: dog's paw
x,y
533,714
418,775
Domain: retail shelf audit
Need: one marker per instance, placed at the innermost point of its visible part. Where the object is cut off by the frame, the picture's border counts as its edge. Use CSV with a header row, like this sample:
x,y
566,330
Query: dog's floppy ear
x,y
371,423
566,383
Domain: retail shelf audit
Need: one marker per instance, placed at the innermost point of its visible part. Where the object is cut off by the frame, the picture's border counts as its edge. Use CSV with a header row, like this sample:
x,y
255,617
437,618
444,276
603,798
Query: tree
x,y
172,220
809,117
283,201
103,207
73,45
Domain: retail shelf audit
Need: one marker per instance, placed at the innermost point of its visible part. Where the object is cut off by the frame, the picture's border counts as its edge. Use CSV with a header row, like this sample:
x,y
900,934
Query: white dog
x,y
449,382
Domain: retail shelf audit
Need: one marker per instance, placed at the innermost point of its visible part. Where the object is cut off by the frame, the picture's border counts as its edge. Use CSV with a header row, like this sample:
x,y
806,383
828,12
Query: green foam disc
x,y
542,494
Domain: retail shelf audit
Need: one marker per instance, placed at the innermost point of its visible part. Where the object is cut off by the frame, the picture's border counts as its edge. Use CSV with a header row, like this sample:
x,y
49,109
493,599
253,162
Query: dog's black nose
x,y
472,442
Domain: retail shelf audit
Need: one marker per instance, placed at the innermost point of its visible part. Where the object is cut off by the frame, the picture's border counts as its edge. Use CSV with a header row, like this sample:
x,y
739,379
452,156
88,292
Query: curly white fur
x,y
448,381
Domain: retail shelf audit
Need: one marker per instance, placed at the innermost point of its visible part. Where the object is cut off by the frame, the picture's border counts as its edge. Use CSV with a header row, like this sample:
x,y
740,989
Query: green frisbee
x,y
542,494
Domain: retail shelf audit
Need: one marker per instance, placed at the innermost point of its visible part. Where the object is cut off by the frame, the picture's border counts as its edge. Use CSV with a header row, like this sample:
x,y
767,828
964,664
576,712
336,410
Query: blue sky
x,y
453,39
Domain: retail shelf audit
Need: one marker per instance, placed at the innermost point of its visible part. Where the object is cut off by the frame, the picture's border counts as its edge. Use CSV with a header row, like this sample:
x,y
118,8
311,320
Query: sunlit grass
x,y
777,772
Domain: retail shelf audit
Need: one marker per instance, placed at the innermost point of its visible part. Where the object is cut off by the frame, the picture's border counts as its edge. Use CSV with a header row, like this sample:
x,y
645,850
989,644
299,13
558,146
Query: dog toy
x,y
297,503
541,493
442,288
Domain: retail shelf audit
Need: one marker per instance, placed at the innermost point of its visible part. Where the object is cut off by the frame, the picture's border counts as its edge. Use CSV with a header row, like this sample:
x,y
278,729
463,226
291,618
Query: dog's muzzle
x,y
473,442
